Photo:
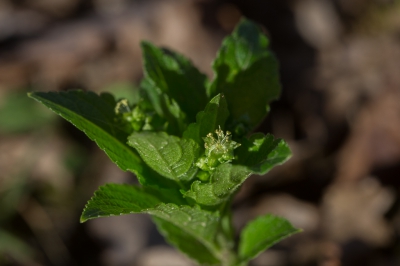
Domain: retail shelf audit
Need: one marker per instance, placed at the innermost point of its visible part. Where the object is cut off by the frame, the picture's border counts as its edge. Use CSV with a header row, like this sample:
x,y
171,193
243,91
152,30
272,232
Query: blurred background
x,y
339,111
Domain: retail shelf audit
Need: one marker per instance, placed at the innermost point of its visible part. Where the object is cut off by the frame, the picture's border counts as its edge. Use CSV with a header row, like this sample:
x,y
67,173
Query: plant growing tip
x,y
217,150
189,169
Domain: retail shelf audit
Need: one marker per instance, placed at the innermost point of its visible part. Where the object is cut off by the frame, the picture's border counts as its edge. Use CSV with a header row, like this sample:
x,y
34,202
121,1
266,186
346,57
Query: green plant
x,y
176,138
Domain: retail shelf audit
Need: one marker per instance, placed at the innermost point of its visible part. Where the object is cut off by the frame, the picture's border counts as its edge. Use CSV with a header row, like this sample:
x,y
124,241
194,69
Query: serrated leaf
x,y
94,115
262,152
226,179
246,72
186,243
168,155
203,193
192,230
199,223
177,223
262,233
175,75
207,121
118,199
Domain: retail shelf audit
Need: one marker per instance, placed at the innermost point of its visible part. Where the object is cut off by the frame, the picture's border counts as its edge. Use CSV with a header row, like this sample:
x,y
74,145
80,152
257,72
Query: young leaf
x,y
168,155
118,199
186,243
224,182
175,75
198,223
94,115
260,153
262,233
246,72
190,229
164,106
213,116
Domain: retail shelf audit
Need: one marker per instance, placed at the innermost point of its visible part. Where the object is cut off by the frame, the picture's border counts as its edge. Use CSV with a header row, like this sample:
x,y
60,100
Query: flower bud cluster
x,y
218,151
135,116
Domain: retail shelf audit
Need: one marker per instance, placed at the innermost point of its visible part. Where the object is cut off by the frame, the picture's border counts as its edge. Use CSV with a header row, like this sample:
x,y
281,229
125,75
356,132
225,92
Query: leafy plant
x,y
188,140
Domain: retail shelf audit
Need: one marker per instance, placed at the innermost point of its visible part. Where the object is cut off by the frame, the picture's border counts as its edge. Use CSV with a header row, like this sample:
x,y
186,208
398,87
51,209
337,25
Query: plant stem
x,y
226,238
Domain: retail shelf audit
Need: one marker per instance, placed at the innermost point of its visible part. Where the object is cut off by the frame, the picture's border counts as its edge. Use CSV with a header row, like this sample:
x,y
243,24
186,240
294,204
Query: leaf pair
x,y
170,80
191,229
245,71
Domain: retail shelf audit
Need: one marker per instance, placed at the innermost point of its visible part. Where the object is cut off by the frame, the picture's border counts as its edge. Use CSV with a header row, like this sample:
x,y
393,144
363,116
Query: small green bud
x,y
203,176
136,117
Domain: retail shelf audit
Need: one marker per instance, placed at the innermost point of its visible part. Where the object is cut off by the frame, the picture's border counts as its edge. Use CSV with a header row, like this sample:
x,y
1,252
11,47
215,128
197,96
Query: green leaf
x,y
199,223
94,115
246,72
207,121
175,75
177,223
118,199
226,179
186,243
262,233
168,155
261,153
191,229
164,106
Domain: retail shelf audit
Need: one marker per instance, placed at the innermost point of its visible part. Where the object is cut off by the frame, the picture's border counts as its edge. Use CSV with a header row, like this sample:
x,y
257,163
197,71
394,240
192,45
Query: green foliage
x,y
260,153
94,115
214,116
186,243
168,155
170,80
116,199
262,233
176,137
196,222
223,183
246,73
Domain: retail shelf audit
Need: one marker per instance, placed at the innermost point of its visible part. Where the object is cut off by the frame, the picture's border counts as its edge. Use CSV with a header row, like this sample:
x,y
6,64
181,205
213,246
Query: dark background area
x,y
339,112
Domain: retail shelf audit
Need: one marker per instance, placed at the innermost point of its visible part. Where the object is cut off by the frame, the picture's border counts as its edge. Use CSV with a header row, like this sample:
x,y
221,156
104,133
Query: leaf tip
x,y
83,219
145,44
